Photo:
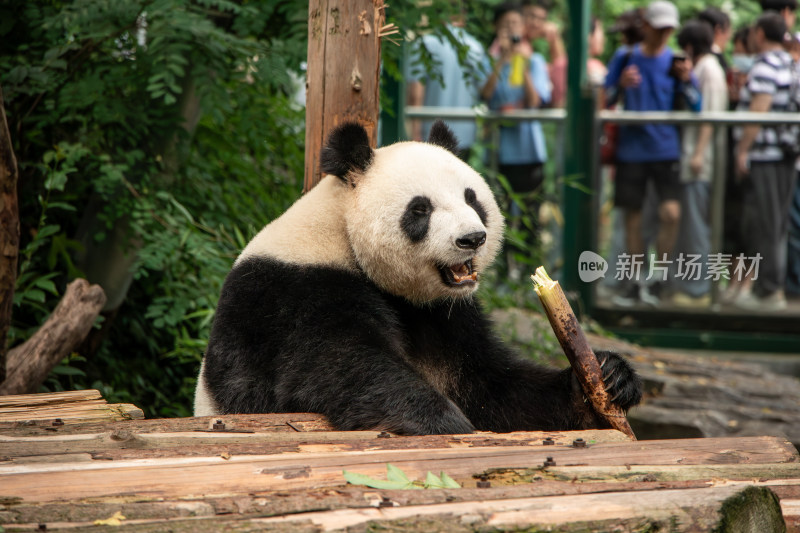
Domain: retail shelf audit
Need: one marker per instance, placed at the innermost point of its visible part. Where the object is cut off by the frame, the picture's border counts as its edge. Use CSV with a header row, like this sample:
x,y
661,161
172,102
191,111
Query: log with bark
x,y
29,363
9,232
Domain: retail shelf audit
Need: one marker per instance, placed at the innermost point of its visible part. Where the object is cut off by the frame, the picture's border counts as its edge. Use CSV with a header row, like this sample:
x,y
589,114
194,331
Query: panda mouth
x,y
459,275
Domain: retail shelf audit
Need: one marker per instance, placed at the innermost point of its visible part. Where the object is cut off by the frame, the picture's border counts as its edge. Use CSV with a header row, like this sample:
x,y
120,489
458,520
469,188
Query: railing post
x,y
717,211
578,226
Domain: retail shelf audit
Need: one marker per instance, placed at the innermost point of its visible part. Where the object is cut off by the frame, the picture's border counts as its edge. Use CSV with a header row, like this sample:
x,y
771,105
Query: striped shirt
x,y
771,74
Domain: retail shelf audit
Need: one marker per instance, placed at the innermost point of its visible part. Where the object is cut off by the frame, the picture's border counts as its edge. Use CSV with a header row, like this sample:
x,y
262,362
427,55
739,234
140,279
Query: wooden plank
x,y
123,444
685,510
187,476
70,407
273,422
652,472
49,398
292,509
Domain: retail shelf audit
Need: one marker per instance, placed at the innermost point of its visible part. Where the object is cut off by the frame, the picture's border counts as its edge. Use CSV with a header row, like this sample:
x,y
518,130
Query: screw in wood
x,y
549,462
385,502
219,425
58,422
579,443
484,483
548,441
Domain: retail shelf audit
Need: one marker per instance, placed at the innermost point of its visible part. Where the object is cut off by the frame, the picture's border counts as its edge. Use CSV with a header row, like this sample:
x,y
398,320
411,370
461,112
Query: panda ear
x,y
347,149
441,135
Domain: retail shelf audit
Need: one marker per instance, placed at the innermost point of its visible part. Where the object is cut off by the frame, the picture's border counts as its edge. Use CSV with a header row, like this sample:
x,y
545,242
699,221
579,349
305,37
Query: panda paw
x,y
623,385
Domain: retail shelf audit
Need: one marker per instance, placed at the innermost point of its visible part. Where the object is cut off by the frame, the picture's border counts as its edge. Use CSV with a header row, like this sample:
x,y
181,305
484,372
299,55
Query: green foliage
x,y
396,479
166,127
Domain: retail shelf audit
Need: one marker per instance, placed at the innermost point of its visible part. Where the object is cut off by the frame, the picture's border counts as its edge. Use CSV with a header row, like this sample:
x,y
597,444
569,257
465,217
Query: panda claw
x,y
612,385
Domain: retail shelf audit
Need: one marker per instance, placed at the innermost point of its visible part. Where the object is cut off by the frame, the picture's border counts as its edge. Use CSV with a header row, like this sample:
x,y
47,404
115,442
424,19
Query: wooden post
x,y
9,232
344,53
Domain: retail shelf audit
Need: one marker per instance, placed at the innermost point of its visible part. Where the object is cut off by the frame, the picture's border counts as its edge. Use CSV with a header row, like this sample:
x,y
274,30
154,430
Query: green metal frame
x,y
578,205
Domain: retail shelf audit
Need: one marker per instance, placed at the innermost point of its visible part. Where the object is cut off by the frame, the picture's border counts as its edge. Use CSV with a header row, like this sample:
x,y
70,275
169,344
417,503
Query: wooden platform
x,y
285,473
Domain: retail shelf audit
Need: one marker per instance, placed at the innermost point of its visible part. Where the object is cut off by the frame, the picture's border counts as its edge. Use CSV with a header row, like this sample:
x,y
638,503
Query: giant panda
x,y
358,303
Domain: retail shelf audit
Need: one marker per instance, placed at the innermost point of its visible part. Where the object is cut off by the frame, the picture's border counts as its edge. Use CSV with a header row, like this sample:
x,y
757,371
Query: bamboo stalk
x,y
576,347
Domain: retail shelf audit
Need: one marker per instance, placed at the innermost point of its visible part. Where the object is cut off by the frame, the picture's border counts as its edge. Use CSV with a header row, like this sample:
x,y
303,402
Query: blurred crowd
x,y
657,177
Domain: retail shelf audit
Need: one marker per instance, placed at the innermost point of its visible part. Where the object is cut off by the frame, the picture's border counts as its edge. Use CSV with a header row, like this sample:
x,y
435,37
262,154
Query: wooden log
x,y
123,444
70,322
214,476
9,232
748,510
69,407
343,74
479,510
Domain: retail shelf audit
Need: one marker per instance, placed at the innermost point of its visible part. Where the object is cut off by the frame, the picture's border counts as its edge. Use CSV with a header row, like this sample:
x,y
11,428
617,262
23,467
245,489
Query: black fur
x,y
290,338
417,218
472,201
443,136
346,150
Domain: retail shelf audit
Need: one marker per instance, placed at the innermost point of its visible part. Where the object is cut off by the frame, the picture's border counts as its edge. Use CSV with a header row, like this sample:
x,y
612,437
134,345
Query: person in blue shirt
x,y
650,77
453,83
517,80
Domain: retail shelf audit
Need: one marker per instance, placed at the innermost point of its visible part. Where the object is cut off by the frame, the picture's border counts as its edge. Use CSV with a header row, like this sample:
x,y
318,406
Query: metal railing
x,y
717,119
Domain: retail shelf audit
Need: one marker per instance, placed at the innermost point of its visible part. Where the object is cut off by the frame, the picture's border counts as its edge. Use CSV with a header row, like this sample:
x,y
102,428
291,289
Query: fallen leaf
x,y
115,520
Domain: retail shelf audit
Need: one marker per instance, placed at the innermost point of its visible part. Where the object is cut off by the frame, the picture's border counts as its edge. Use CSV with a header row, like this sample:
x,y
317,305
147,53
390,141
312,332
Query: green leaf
x,y
448,482
395,474
46,285
56,181
34,295
62,370
433,482
46,231
61,205
354,478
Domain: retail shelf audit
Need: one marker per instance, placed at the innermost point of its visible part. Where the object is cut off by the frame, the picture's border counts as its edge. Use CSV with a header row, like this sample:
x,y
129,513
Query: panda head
x,y
422,224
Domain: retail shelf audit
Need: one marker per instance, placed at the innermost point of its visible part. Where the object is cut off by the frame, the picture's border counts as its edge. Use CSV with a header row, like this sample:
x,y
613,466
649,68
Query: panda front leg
x,y
373,391
516,394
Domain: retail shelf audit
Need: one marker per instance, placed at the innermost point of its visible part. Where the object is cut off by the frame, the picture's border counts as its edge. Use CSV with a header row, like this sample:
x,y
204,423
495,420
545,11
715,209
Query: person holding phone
x,y
517,80
650,77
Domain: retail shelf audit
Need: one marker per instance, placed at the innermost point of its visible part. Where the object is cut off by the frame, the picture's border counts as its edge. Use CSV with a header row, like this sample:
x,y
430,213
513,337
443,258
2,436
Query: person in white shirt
x,y
697,162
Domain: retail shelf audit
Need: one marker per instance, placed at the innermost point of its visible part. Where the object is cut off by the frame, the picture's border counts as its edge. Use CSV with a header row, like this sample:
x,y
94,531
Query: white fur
x,y
204,405
397,174
358,227
311,232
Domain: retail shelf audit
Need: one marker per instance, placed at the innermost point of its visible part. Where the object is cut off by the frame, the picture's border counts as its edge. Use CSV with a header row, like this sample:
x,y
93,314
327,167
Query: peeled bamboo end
x,y
542,283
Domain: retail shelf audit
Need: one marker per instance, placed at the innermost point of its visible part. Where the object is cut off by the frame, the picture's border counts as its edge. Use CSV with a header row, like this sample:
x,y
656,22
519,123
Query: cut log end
x,y
753,510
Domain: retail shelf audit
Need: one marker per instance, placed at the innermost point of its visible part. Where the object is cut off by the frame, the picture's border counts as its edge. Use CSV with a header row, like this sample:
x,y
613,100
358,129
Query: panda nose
x,y
471,241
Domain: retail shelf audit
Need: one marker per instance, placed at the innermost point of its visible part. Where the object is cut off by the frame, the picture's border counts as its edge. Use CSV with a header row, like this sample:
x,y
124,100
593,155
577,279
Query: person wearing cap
x,y
648,79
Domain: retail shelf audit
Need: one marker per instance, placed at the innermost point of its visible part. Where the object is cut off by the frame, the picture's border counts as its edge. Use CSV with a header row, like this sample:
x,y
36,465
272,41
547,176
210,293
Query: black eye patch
x,y
416,218
472,201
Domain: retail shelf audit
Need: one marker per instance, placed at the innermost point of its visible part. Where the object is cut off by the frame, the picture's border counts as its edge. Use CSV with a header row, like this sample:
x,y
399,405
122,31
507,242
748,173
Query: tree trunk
x,y
9,232
344,53
30,362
